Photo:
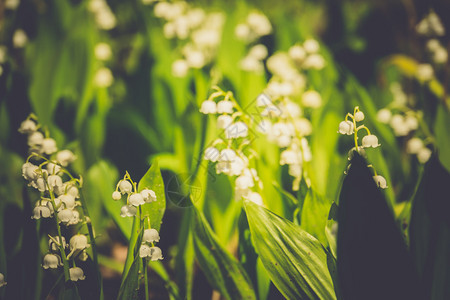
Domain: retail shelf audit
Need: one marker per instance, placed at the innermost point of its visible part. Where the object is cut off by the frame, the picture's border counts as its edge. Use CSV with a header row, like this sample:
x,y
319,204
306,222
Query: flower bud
x,y
116,195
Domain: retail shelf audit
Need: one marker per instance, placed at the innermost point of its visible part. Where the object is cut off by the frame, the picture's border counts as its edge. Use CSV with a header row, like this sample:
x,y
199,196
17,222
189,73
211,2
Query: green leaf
x,y
295,260
430,231
372,259
130,276
155,210
441,129
314,215
222,270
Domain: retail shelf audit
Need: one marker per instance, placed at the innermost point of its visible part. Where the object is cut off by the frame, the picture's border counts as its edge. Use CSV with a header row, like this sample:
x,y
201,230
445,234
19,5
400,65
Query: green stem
x,y
93,244
145,278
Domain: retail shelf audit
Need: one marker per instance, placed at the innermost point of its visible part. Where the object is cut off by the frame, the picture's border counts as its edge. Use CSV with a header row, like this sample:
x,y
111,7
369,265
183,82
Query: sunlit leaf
x,y
295,260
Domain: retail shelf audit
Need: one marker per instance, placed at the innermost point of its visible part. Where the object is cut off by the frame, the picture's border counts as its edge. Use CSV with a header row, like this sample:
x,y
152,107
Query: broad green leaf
x,y
295,261
101,180
155,210
222,270
314,215
430,231
442,131
373,262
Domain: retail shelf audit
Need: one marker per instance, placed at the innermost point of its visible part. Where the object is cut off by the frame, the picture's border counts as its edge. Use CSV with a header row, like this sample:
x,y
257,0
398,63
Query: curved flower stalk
x,y
350,127
231,153
46,170
127,188
198,31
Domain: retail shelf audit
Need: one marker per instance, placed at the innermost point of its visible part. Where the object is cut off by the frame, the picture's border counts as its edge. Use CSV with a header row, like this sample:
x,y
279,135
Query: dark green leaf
x,y
155,210
442,131
223,271
296,261
373,262
430,231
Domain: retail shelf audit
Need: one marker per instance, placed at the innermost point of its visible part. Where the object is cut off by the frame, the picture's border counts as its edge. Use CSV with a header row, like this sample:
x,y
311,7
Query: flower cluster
x,y
104,17
135,199
405,121
127,186
255,26
349,127
201,32
230,153
148,248
253,61
46,171
432,29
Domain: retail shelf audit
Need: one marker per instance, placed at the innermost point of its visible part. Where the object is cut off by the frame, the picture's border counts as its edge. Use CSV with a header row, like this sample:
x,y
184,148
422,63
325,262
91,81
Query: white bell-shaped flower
x,y
2,280
51,261
208,107
35,139
155,254
125,187
27,127
244,182
148,195
359,116
54,242
297,53
380,181
311,99
41,212
68,200
116,195
65,216
295,170
236,130
398,123
223,121
424,155
128,211
289,157
311,46
75,218
370,141
53,168
29,171
136,199
54,181
40,184
150,235
76,274
284,141
384,115
212,154
414,145
263,100
255,198
65,157
144,251
227,155
48,146
79,242
180,68
346,127
225,107
237,166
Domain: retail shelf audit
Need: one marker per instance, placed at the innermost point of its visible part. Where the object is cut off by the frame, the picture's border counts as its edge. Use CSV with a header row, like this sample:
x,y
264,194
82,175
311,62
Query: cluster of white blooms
x,y
200,31
229,153
349,127
255,26
405,122
127,186
431,28
306,56
253,61
431,25
148,248
46,171
104,17
284,123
